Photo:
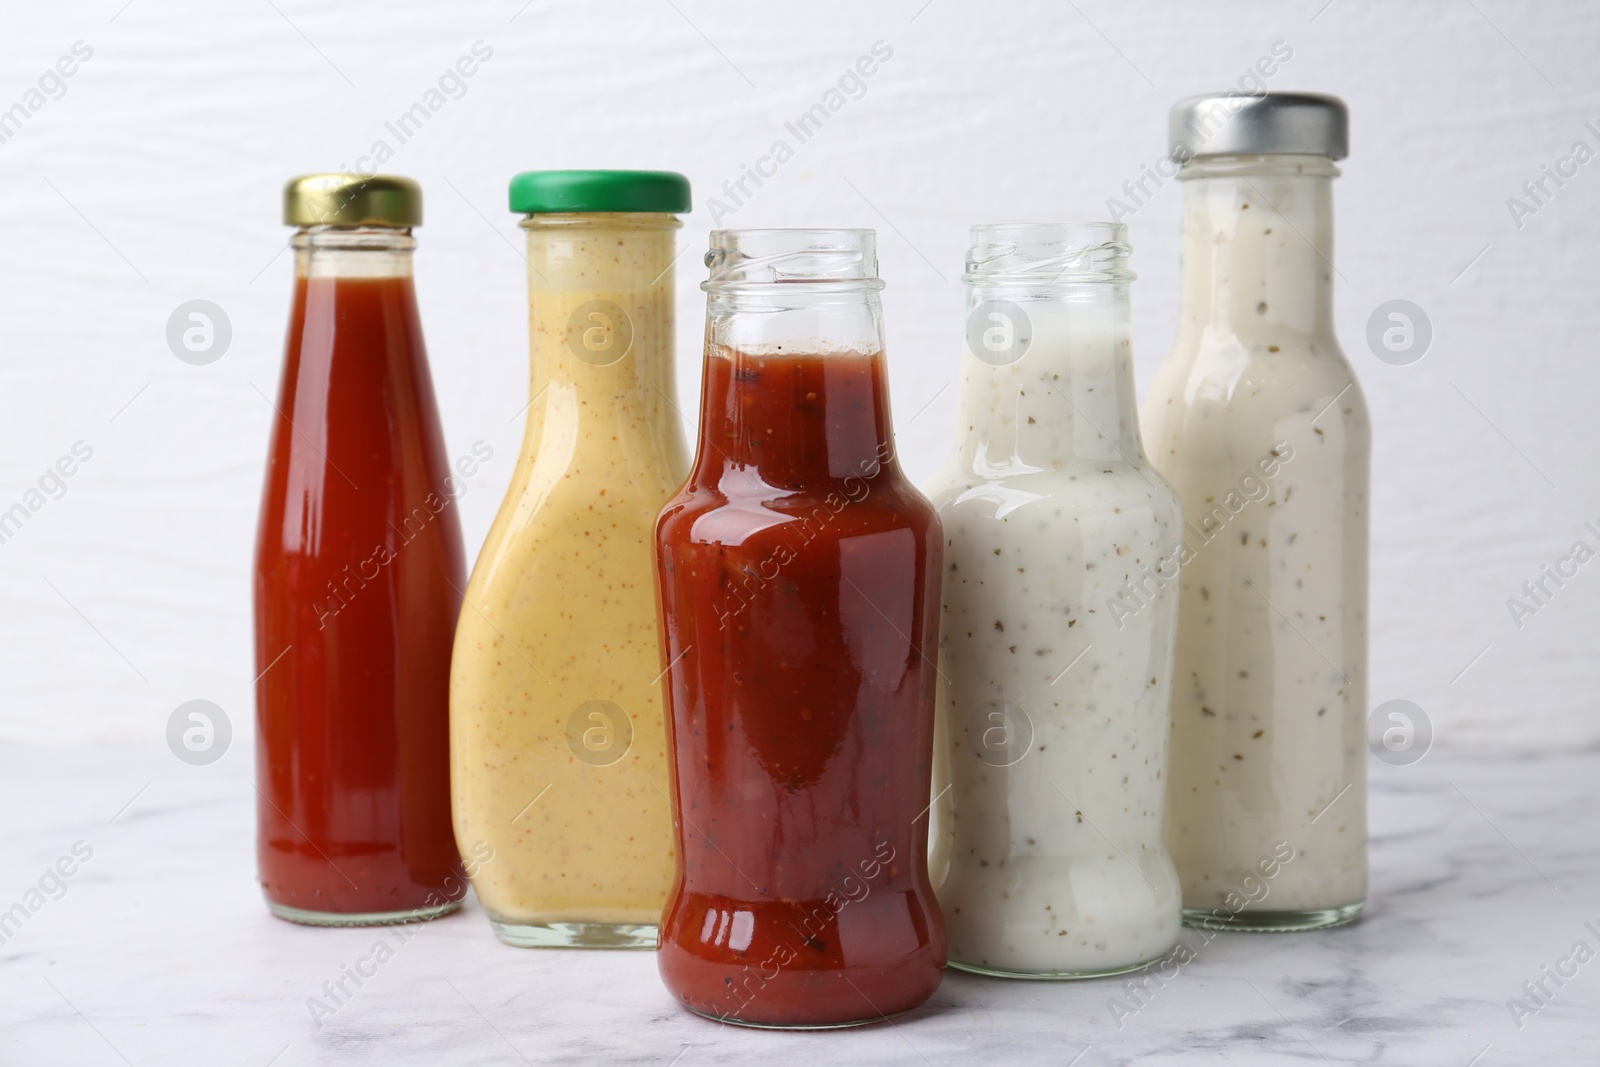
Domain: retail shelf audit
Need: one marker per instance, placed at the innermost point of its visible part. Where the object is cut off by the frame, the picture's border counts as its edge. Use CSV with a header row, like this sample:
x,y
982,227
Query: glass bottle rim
x,y
1049,253
354,238
1275,165
615,221
801,259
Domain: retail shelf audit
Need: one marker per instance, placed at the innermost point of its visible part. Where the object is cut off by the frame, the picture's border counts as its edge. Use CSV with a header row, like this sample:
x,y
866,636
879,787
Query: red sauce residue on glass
x,y
798,575
358,564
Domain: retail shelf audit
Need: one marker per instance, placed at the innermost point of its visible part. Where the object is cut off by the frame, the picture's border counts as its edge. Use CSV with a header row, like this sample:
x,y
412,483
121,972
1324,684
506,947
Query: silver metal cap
x,y
1269,124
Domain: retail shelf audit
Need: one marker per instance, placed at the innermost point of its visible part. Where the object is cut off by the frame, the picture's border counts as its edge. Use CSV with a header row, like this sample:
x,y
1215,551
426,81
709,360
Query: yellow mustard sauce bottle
x,y
557,739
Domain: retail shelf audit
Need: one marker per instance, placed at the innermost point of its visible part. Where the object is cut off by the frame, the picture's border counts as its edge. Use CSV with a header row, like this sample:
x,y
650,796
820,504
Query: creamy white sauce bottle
x,y
1258,421
1051,742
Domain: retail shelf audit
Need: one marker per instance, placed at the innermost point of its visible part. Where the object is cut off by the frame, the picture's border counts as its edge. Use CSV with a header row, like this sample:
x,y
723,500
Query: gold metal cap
x,y
352,200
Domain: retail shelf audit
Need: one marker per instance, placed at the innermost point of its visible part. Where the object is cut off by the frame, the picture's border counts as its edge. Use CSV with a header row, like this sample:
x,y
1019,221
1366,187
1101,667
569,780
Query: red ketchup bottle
x,y
798,574
358,576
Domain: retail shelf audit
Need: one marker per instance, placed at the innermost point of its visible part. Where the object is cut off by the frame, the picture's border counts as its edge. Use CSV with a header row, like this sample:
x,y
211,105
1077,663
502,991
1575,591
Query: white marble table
x,y
1485,870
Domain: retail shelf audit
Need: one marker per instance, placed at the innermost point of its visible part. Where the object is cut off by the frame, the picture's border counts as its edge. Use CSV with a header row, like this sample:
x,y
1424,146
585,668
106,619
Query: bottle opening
x,y
1050,253
820,260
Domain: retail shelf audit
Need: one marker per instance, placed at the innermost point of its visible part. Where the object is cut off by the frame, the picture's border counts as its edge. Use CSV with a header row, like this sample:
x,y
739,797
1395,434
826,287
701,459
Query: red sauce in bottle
x,y
798,577
358,571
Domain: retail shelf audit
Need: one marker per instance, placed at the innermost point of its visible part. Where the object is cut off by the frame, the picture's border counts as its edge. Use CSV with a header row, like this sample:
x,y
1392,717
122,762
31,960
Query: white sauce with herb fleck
x,y
1047,851
1269,705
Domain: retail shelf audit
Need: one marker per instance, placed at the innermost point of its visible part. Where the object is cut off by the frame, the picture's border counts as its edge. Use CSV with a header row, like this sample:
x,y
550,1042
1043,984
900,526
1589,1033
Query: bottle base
x,y
1272,922
372,918
576,935
750,1025
1052,976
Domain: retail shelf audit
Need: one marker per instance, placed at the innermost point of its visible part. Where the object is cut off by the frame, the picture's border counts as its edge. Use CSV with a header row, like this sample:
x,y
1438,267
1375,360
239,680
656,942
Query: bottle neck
x,y
600,324
600,290
1047,378
353,252
356,356
354,295
795,394
1257,249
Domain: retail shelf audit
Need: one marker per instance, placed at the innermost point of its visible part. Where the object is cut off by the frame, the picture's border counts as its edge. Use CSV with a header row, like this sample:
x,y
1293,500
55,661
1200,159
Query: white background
x,y
155,179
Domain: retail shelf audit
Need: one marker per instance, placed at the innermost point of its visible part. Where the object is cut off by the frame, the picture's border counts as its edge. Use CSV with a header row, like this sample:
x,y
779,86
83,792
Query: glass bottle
x,y
357,579
798,571
1259,423
1060,609
556,732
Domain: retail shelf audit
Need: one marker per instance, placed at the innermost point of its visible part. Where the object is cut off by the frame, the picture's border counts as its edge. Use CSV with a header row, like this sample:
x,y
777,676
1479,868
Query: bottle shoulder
x,y
568,462
1223,372
1080,491
557,513
1211,351
703,512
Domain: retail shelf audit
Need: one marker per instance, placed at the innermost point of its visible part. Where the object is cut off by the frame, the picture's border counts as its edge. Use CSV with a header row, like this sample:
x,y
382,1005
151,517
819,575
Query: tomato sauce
x,y
358,571
798,577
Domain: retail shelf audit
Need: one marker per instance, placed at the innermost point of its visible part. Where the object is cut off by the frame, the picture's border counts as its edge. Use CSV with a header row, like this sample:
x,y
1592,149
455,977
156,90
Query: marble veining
x,y
158,950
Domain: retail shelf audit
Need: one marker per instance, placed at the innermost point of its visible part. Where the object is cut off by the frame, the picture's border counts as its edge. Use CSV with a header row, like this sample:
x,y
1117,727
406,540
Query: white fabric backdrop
x,y
151,177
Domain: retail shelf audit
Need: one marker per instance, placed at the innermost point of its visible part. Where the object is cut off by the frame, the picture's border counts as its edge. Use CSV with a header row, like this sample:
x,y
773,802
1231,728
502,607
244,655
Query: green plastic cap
x,y
549,192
